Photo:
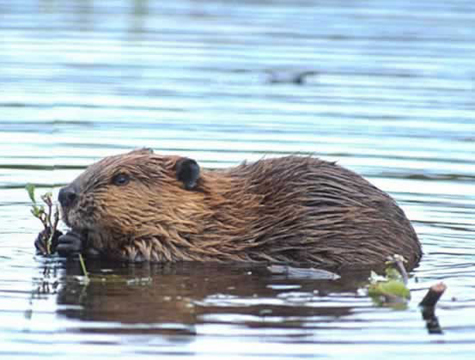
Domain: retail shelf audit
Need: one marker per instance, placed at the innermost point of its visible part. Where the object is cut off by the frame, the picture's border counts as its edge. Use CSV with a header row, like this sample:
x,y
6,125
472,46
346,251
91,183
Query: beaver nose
x,y
67,196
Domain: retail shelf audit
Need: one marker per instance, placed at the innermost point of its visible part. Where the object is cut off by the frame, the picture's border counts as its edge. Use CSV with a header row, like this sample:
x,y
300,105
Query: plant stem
x,y
83,267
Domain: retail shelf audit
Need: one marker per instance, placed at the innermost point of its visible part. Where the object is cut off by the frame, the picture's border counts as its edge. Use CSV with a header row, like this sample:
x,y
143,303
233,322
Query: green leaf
x,y
393,274
35,210
388,288
31,192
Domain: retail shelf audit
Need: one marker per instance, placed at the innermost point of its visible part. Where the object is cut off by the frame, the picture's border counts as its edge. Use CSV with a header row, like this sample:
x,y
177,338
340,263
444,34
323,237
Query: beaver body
x,y
141,206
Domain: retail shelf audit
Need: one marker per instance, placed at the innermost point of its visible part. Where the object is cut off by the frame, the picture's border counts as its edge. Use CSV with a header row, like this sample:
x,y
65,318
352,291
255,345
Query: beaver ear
x,y
188,172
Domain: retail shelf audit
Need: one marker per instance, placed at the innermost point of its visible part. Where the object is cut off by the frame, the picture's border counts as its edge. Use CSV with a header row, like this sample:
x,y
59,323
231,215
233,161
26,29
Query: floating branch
x,y
428,304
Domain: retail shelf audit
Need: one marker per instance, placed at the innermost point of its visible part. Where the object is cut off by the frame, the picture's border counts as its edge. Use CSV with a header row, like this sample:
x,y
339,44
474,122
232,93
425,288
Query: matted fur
x,y
294,210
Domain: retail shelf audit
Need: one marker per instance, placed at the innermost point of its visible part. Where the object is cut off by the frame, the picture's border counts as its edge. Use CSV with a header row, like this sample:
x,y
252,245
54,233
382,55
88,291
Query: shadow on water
x,y
173,299
184,292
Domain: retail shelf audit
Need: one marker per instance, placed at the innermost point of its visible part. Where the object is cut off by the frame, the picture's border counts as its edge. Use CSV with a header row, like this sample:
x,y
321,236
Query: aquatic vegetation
x,y
49,217
391,288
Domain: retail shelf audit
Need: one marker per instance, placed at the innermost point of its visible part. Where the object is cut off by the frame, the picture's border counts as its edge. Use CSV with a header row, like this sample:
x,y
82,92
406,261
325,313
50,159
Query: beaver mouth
x,y
75,222
82,229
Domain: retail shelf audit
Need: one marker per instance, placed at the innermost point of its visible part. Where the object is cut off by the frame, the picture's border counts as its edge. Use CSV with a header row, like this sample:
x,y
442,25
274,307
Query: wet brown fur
x,y
294,210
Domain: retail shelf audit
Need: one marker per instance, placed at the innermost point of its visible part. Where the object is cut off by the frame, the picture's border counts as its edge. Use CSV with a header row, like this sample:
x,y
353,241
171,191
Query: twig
x,y
402,270
433,295
398,261
53,226
45,239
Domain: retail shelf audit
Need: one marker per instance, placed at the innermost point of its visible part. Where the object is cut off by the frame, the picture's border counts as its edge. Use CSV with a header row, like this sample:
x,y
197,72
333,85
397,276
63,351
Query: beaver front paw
x,y
69,244
41,242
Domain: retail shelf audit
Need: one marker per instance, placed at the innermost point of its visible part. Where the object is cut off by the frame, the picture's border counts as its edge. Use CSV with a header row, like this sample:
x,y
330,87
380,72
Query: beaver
x,y
294,210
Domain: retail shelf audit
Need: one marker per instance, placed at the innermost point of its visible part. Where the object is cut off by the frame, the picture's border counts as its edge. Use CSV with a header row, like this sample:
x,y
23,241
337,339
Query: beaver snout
x,y
68,196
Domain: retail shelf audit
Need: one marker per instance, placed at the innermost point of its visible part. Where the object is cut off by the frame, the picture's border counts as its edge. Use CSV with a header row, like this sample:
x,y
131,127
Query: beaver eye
x,y
121,179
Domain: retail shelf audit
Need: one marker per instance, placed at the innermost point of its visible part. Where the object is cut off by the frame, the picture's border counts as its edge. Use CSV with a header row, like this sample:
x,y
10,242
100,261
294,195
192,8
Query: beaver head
x,y
130,196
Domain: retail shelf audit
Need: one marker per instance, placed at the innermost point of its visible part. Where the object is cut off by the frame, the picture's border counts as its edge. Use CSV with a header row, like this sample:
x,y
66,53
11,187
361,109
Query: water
x,y
388,92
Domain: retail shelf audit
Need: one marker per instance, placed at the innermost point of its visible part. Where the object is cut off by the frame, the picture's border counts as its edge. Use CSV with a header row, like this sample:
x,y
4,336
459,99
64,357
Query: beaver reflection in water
x,y
295,210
